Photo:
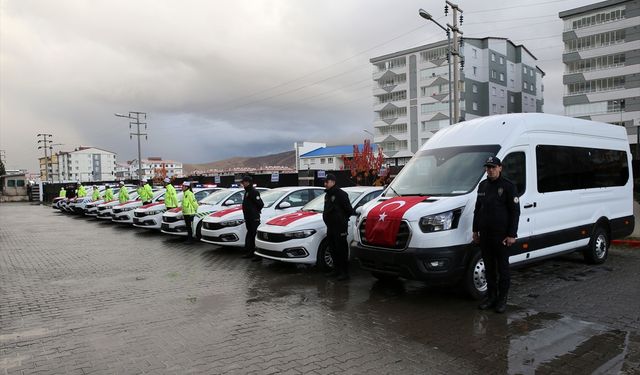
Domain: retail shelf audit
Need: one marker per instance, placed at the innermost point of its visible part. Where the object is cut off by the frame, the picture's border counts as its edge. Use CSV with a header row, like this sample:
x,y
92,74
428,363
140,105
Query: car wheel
x,y
324,261
598,248
474,281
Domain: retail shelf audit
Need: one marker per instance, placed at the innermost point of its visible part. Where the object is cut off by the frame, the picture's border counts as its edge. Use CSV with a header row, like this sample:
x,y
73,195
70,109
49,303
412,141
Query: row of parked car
x,y
292,228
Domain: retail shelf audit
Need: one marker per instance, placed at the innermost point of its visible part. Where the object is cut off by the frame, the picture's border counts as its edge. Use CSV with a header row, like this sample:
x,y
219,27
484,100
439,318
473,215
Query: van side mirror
x,y
284,205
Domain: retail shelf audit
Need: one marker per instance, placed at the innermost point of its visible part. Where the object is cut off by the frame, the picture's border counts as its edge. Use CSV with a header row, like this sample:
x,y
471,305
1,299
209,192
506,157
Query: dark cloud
x,y
220,78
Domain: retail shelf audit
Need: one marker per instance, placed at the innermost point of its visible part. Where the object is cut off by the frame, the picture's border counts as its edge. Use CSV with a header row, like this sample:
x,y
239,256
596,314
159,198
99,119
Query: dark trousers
x,y
188,222
339,248
496,264
250,239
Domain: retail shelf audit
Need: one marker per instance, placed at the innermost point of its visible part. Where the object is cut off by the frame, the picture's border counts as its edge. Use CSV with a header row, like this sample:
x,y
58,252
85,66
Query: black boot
x,y
501,305
489,301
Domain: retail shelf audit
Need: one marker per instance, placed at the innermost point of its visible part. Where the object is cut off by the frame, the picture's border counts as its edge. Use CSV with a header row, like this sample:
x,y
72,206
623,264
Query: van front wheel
x,y
598,248
474,281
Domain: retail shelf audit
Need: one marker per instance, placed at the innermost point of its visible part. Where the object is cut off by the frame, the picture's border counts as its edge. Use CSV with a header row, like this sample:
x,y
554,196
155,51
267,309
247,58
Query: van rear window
x,y
563,168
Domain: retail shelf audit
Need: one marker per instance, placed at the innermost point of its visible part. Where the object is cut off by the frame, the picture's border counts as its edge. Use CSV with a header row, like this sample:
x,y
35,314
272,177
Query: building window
x,y
493,90
512,99
330,160
501,77
493,108
595,41
524,85
512,68
531,72
596,85
474,88
475,70
501,60
493,56
512,83
493,74
502,93
475,53
322,160
524,69
475,106
502,109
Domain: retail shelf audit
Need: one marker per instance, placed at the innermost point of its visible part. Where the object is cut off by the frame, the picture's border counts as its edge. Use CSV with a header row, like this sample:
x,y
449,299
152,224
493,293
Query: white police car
x,y
123,213
301,237
227,227
173,221
150,216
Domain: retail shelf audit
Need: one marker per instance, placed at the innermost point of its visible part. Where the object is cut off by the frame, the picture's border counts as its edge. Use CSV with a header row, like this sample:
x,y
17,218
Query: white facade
x,y
411,90
87,164
151,168
302,148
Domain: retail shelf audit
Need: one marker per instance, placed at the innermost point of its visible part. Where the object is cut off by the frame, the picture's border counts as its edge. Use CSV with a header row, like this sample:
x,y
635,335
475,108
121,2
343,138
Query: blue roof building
x,y
328,158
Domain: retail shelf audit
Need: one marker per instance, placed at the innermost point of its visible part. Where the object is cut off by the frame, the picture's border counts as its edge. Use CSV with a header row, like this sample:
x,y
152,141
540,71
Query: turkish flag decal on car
x,y
287,219
225,212
383,221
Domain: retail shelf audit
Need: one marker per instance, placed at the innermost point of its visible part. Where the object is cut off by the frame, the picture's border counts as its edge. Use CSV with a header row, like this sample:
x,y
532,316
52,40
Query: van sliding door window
x,y
562,168
515,170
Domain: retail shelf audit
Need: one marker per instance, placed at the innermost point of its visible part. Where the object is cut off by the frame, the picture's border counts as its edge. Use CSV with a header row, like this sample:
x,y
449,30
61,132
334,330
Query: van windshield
x,y
442,171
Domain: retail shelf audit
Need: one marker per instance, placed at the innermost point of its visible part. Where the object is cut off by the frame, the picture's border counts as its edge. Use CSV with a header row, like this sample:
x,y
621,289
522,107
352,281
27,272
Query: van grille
x,y
402,239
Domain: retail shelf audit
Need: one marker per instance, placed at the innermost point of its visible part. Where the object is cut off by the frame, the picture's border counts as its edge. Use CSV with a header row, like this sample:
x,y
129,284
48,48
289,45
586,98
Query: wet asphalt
x,y
80,296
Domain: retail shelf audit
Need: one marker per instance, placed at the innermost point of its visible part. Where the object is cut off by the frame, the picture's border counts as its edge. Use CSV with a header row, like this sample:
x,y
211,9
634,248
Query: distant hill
x,y
286,159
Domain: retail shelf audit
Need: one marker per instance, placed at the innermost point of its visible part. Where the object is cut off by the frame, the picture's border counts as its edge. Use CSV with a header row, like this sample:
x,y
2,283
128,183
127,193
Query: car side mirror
x,y
229,202
284,205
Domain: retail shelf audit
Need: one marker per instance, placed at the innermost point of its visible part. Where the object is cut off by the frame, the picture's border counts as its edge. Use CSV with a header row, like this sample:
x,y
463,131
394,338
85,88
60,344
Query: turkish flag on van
x,y
383,221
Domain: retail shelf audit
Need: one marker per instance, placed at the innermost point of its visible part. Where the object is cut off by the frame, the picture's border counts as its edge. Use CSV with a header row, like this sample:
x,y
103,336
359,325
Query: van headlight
x,y
442,221
232,223
299,233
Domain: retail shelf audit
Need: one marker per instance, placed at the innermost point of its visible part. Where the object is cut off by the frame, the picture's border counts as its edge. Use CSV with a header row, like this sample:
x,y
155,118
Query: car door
x,y
517,167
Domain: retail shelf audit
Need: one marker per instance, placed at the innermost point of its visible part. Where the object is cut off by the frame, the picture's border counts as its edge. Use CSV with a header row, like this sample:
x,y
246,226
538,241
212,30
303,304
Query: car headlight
x,y
127,209
180,217
232,223
156,212
299,233
442,221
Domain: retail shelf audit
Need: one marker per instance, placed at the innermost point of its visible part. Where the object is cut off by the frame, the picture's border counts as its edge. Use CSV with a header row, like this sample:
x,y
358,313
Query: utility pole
x,y
45,145
456,56
136,117
57,160
3,156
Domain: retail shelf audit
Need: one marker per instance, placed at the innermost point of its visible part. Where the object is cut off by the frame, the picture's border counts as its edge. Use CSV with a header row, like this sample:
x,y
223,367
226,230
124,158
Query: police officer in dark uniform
x,y
337,210
251,208
495,228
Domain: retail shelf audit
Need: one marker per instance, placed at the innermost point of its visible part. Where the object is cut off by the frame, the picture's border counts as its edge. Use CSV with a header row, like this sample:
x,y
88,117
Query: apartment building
x,y
49,168
154,166
602,64
87,164
411,90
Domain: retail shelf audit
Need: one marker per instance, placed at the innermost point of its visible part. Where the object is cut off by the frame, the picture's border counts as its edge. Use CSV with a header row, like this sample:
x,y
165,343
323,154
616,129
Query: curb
x,y
631,243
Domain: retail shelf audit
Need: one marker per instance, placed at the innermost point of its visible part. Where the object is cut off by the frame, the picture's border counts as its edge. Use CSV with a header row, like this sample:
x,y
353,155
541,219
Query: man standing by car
x,y
123,194
170,196
337,210
146,194
189,208
95,195
63,193
251,208
495,228
82,191
108,194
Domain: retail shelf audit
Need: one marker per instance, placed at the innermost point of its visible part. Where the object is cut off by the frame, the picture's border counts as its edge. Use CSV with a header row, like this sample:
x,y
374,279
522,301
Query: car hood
x,y
293,221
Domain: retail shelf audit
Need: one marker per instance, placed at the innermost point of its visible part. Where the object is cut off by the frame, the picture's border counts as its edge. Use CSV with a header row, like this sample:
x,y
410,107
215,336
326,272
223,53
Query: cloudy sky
x,y
224,78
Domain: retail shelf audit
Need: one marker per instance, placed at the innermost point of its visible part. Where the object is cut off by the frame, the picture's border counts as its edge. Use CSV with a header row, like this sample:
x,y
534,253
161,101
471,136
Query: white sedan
x,y
123,213
301,237
150,216
227,227
173,220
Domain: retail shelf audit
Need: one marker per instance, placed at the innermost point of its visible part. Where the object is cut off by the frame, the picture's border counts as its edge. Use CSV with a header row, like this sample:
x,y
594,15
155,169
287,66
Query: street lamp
x,y
424,14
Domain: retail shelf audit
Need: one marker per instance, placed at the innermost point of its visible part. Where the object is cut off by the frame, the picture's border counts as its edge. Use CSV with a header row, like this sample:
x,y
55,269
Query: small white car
x,y
105,209
123,213
173,221
226,227
301,237
150,216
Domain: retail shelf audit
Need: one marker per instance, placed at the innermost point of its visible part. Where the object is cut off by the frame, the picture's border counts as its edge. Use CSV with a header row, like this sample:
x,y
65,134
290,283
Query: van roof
x,y
503,129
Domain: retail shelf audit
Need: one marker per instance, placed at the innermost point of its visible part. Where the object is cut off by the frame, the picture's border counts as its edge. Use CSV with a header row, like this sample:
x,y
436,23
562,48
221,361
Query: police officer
x,y
189,209
337,210
95,195
123,194
495,228
108,194
251,208
82,191
170,196
63,192
146,193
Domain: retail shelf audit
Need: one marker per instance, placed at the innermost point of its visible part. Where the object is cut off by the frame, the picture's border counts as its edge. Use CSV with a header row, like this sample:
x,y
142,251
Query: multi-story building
x,y
153,166
49,168
602,63
123,171
411,90
86,164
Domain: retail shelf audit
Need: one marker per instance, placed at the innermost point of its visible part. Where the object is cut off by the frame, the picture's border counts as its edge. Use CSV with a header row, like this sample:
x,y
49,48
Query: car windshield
x,y
270,197
442,171
317,205
217,197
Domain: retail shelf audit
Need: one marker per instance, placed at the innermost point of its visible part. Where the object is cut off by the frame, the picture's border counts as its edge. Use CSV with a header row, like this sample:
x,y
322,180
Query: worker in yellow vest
x,y
170,196
146,193
123,195
189,209
63,193
96,193
82,191
108,194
